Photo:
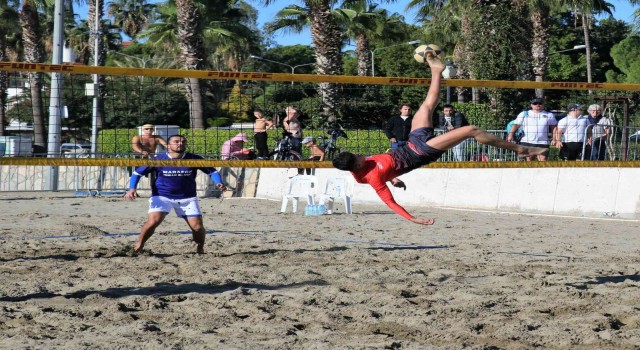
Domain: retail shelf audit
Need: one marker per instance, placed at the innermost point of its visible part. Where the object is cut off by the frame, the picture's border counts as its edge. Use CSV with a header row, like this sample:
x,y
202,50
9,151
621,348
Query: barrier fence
x,y
131,97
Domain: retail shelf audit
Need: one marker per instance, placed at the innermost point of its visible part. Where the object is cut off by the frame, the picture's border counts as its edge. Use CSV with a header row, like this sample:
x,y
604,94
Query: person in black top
x,y
451,120
399,127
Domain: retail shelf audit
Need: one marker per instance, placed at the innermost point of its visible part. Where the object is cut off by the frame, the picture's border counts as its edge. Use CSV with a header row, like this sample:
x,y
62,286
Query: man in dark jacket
x,y
399,127
451,120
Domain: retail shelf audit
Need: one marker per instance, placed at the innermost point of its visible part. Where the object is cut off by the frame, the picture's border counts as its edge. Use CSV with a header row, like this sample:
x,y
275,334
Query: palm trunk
x,y
327,39
192,48
4,86
586,28
33,52
540,45
462,56
362,54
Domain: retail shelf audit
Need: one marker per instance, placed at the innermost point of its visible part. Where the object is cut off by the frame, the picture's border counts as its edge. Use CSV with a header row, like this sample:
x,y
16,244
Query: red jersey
x,y
377,171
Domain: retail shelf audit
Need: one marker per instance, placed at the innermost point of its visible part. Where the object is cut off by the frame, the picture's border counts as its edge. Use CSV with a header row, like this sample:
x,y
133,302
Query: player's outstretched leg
x,y
423,117
454,137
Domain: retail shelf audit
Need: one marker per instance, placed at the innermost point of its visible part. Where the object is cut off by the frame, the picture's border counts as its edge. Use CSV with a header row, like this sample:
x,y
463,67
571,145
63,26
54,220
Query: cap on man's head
x,y
240,137
536,101
308,139
148,126
573,107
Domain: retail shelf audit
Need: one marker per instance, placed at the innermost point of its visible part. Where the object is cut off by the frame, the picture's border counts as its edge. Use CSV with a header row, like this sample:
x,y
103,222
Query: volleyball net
x,y
114,106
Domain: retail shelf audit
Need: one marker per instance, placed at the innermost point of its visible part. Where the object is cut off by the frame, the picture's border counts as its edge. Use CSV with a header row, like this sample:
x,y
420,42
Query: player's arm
x,y
162,141
217,179
385,194
268,123
132,192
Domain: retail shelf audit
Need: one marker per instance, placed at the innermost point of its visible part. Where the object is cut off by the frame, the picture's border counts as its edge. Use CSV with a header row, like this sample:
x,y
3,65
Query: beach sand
x,y
371,280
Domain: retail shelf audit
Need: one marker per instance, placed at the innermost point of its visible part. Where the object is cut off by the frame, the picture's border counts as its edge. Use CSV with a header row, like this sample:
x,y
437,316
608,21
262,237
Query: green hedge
x,y
209,142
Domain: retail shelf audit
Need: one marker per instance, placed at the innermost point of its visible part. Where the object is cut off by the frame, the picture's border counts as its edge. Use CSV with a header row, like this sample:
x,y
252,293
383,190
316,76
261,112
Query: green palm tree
x,y
224,35
327,41
8,24
162,34
585,10
132,16
365,24
34,52
449,21
193,56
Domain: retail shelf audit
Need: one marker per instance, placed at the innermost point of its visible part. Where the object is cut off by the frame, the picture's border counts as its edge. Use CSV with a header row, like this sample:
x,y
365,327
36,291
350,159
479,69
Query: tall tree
x,y
327,40
193,56
366,24
34,52
8,25
132,16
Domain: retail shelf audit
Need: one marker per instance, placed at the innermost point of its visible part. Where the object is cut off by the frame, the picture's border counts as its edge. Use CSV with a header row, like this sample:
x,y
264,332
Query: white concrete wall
x,y
590,192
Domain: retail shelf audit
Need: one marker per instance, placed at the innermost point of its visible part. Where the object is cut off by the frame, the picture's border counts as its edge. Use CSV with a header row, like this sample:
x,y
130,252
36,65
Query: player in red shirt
x,y
422,148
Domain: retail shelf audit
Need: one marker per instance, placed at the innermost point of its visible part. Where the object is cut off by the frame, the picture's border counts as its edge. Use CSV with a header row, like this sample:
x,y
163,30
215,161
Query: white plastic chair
x,y
300,186
338,187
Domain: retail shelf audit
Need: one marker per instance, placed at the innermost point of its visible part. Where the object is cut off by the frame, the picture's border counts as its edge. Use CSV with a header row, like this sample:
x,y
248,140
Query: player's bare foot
x,y
435,63
530,151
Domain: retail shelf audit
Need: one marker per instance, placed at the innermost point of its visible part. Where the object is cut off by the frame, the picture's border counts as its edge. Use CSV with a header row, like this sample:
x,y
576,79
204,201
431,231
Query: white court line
x,y
539,214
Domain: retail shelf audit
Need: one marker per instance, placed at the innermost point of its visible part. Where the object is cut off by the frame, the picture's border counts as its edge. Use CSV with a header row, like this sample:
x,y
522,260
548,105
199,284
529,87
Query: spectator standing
x,y
450,120
147,143
293,128
260,127
599,133
571,132
399,127
536,123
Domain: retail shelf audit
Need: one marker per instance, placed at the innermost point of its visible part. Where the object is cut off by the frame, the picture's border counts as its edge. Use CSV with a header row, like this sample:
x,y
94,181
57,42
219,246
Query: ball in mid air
x,y
422,52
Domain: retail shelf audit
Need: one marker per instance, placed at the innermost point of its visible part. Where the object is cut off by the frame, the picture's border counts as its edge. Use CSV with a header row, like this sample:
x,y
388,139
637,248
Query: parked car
x,y
75,150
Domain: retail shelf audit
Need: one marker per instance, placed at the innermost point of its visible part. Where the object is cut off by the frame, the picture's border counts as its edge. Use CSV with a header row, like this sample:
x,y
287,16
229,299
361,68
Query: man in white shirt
x,y
536,124
571,133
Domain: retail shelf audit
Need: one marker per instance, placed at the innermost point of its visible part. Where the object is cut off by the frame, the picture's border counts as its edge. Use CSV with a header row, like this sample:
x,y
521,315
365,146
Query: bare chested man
x,y
260,127
147,143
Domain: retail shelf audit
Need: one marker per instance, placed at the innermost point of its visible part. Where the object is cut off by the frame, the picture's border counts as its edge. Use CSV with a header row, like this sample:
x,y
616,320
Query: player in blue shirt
x,y
173,188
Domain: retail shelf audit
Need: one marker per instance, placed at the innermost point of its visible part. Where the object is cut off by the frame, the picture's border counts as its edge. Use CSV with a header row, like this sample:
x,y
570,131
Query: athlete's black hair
x,y
345,161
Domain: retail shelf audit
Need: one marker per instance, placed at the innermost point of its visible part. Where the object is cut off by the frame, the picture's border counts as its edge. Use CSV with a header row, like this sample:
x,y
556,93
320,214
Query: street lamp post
x,y
577,47
293,68
373,53
448,73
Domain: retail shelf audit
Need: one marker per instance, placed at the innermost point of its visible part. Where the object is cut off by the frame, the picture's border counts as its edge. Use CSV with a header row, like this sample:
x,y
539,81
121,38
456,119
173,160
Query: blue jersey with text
x,y
174,182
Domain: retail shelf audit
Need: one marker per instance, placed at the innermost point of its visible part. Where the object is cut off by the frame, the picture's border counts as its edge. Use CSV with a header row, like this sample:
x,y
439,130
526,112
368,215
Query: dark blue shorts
x,y
416,152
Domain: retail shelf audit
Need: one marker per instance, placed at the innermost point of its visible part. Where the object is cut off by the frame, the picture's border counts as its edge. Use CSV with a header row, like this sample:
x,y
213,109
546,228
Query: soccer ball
x,y
422,52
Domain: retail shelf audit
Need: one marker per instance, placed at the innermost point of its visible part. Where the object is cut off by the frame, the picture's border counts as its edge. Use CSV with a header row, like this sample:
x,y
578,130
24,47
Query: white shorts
x,y
188,207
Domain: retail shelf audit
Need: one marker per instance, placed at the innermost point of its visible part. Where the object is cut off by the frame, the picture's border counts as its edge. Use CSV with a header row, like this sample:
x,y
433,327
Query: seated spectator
x,y
234,147
315,152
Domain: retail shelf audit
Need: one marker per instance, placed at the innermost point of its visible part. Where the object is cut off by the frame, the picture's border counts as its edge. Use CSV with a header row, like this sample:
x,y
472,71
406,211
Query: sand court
x,y
371,280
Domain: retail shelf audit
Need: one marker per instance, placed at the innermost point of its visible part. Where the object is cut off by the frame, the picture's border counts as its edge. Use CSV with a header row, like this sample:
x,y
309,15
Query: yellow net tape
x,y
128,162
313,78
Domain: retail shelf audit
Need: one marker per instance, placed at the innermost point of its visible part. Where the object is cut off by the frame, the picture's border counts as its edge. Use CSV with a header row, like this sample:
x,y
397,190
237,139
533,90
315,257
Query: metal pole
x,y
55,97
96,88
448,94
373,63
